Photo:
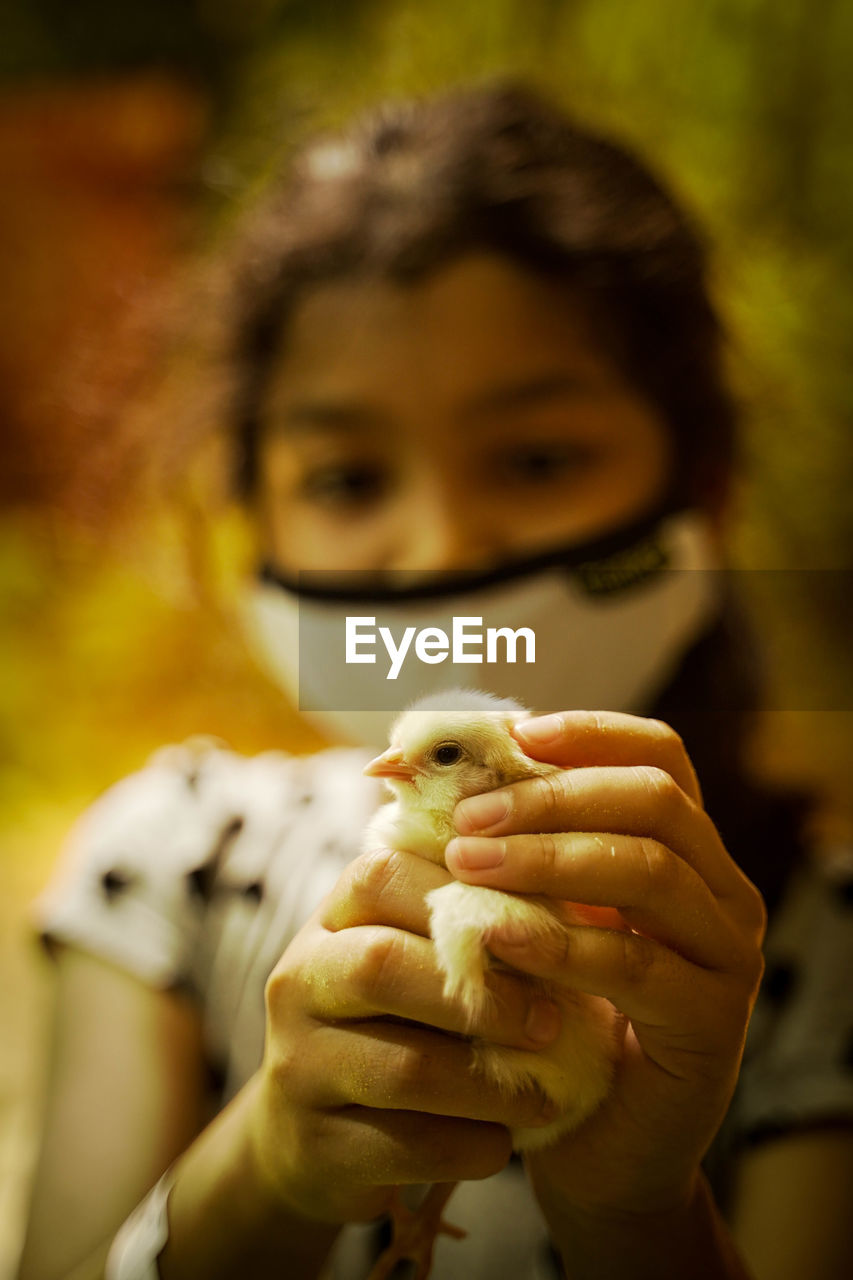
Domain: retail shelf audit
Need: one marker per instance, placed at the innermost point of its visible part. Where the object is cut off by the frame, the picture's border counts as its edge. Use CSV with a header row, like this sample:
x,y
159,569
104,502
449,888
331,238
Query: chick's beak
x,y
390,765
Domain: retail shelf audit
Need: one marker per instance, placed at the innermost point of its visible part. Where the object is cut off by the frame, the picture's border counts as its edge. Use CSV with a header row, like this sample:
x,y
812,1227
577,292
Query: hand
x,y
366,1082
677,950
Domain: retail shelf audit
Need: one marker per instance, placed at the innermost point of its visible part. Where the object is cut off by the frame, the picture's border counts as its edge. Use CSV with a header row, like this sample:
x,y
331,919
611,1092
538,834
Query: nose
x,y
441,527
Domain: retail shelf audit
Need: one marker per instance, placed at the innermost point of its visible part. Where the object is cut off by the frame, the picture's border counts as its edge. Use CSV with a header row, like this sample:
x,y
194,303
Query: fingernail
x,y
543,1022
540,730
475,853
477,813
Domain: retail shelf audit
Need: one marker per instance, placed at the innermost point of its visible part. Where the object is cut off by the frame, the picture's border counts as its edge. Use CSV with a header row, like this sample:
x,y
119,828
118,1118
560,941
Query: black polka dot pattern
x,y
116,882
231,830
201,880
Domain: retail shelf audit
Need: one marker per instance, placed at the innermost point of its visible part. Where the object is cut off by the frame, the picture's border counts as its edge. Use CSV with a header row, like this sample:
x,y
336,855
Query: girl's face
x,y
454,423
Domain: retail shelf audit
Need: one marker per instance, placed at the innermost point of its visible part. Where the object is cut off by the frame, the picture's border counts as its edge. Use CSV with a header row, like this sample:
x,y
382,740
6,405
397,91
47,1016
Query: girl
x,y
474,361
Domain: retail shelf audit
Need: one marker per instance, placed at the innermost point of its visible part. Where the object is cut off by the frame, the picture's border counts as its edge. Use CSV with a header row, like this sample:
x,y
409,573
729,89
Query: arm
x,y
124,1096
673,940
801,1181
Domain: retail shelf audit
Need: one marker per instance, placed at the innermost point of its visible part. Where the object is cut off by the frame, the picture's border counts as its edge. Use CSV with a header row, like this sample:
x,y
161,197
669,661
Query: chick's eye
x,y
448,753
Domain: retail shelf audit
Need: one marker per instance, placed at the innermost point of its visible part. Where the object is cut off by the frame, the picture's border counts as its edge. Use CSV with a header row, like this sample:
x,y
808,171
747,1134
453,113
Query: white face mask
x,y
610,623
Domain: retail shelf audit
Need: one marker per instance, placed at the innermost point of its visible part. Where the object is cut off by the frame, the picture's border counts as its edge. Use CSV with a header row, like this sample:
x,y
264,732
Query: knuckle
x,y
751,965
733,1006
550,792
378,964
278,990
661,787
409,1067
757,970
668,736
758,911
560,945
660,866
549,853
744,971
636,959
368,877
283,1067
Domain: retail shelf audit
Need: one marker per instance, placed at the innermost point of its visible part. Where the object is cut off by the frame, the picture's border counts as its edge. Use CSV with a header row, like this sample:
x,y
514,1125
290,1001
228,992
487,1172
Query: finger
x,y
372,970
384,887
390,1066
577,738
404,1147
654,890
671,1002
640,800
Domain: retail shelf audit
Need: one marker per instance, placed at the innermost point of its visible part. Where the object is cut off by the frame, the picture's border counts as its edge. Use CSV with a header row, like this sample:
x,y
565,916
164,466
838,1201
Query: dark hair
x,y
499,168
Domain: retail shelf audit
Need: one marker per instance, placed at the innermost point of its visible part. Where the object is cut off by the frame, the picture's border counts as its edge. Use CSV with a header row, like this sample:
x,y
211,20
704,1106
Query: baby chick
x,y
443,749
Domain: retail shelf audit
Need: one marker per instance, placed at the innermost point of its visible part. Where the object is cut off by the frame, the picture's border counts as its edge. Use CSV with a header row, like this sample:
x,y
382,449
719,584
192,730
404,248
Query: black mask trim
x,y
611,563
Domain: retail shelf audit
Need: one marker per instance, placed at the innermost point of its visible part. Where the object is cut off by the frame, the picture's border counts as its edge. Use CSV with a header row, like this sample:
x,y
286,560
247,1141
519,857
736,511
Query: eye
x,y
344,484
447,753
541,463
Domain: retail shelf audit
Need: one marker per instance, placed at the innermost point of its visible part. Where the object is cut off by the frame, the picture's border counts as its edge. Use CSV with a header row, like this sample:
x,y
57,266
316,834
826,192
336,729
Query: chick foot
x,y
416,1231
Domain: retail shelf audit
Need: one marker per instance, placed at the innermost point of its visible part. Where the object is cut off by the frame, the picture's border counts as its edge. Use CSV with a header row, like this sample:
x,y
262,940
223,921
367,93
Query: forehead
x,y
475,328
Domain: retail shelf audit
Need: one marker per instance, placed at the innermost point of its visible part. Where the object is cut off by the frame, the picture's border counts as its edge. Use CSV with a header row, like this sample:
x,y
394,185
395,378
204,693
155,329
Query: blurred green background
x,y
129,134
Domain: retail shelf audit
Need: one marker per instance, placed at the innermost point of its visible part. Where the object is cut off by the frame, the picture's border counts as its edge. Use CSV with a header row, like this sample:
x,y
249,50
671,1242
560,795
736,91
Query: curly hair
x,y
499,168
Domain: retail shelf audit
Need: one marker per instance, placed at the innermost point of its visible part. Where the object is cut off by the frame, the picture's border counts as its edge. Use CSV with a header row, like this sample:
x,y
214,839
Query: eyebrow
x,y
528,393
306,416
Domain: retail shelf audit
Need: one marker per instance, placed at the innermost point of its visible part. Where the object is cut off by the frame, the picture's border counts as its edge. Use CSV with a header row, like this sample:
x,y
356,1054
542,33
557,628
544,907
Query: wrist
x,y
269,1151
227,1216
613,1189
681,1235
291,1173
